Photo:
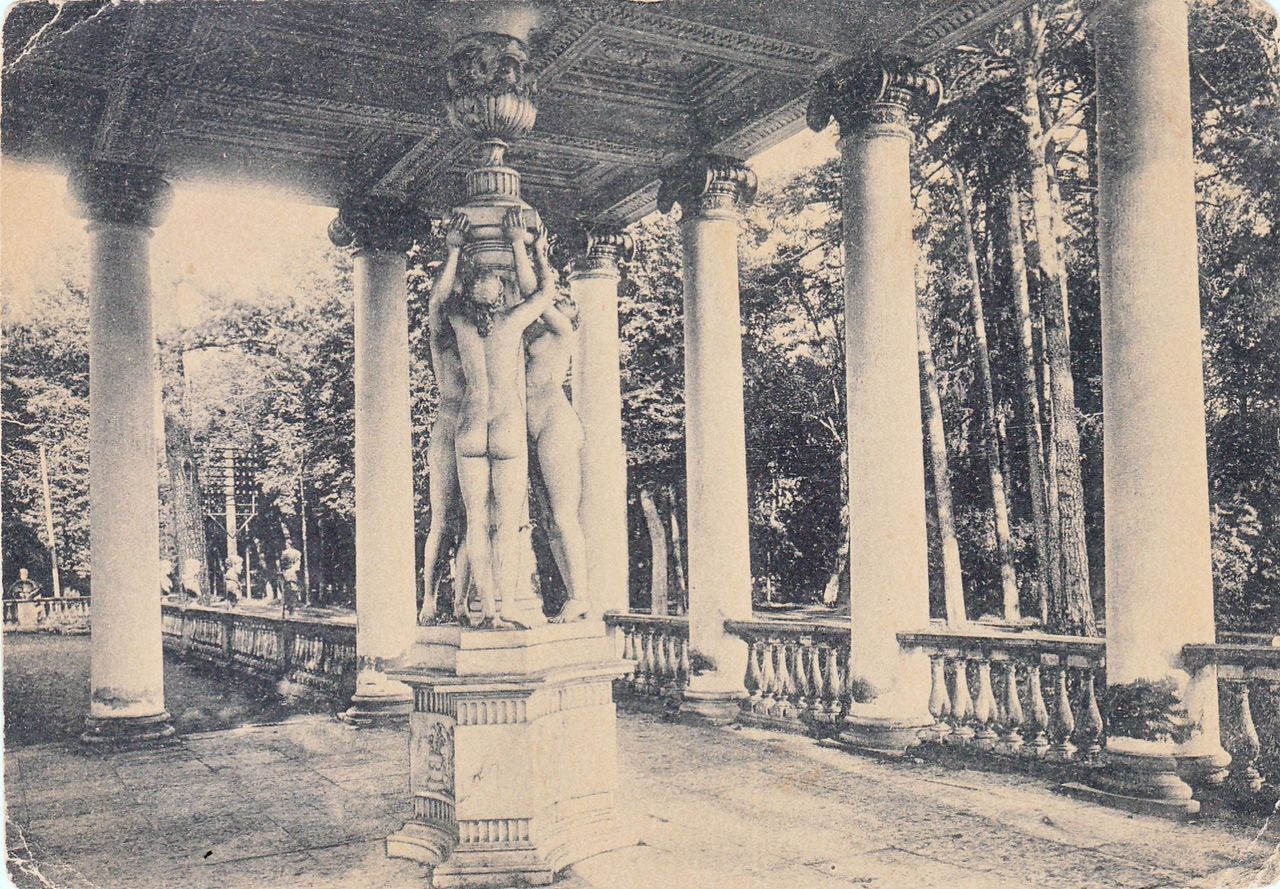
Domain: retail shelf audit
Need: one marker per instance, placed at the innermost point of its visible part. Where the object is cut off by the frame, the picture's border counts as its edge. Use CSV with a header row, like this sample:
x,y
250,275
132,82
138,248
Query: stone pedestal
x,y
28,614
513,752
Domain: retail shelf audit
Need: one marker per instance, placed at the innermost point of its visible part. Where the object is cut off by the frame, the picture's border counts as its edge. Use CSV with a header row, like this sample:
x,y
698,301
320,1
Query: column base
x,y
884,736
126,731
1204,769
1138,777
377,709
711,707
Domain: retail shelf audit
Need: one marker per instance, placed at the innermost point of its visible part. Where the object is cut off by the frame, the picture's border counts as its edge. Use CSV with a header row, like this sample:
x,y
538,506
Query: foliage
x,y
1147,711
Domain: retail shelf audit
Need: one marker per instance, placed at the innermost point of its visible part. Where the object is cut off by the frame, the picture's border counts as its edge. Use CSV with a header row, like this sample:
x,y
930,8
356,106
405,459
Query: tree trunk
x,y
1071,610
990,433
1030,396
952,578
678,551
658,594
185,498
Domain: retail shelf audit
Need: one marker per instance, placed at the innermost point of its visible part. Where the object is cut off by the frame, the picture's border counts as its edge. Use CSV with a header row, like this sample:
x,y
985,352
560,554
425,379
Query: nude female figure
x,y
445,495
557,436
490,442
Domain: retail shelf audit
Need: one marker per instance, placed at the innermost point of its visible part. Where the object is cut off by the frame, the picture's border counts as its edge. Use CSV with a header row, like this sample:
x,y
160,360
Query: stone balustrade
x,y
796,673
46,612
309,657
659,645
1249,695
1032,696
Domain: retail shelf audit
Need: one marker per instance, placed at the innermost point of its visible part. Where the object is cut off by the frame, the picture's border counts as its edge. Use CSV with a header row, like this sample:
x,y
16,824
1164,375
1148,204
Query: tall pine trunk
x,y
186,499
1030,397
952,577
658,565
678,553
1071,606
1010,609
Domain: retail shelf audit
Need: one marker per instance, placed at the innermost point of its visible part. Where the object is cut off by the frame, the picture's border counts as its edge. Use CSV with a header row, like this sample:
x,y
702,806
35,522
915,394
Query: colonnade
x,y
1159,591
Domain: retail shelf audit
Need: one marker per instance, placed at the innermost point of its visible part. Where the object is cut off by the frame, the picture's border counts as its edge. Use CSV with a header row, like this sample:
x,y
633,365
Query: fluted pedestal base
x,y
512,753
1138,777
126,731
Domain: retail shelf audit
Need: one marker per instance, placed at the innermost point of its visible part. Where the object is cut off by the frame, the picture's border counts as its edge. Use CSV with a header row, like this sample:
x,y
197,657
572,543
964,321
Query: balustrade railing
x,y
47,611
313,657
1026,695
659,645
1248,696
797,673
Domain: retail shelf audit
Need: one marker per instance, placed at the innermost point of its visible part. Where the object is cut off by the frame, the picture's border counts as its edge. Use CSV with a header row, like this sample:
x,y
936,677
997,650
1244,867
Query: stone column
x,y
122,204
710,191
386,583
1159,580
597,396
889,590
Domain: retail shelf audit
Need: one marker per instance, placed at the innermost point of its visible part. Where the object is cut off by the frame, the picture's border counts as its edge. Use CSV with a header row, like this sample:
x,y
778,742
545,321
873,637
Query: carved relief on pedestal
x,y
877,95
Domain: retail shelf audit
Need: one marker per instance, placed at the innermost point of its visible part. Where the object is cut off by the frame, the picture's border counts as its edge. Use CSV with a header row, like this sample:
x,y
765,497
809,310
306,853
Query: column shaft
x,y
1155,466
597,397
385,578
715,451
889,590
127,660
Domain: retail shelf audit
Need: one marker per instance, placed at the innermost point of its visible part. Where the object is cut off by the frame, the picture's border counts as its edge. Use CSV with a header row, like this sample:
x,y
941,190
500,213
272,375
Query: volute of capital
x,y
884,92
600,250
125,194
708,185
383,225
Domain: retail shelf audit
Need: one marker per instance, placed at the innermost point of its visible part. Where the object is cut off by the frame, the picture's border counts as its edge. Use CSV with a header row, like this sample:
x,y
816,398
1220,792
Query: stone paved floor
x,y
307,801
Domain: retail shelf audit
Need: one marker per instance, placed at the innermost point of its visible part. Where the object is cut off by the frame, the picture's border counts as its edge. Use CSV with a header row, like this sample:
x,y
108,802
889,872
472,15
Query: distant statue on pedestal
x,y
231,577
24,587
190,579
290,566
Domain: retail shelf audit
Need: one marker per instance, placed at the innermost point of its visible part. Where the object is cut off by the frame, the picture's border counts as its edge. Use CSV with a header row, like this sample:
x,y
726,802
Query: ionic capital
x,y
599,251
709,186
124,194
874,96
384,225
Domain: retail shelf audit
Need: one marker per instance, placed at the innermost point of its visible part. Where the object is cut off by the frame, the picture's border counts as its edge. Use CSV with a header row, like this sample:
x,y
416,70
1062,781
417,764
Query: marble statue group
x,y
501,344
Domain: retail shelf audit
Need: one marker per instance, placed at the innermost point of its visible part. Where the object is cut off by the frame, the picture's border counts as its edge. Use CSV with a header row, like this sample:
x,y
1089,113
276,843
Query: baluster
x,y
768,681
961,704
754,678
1244,772
939,698
684,661
655,663
834,684
1064,724
1091,736
1039,743
644,665
660,662
817,706
786,687
799,677
984,707
1011,743
669,664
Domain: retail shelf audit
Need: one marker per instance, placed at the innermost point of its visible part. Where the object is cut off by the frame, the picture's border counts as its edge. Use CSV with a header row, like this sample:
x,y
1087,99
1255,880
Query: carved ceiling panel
x,y
343,97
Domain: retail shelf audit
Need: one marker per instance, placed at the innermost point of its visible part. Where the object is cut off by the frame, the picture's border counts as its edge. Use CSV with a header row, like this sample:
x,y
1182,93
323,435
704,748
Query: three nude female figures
x,y
501,351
